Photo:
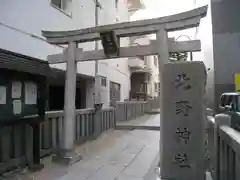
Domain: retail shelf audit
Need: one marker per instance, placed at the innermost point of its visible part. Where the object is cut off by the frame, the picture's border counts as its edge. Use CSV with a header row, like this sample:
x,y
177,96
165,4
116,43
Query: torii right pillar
x,y
181,117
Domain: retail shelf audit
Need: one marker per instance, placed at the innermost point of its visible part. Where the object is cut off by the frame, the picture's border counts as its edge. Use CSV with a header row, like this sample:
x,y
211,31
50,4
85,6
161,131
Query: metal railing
x,y
224,148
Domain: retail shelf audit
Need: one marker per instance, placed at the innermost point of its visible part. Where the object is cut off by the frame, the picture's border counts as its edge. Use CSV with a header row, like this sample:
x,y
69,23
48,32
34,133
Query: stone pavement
x,y
148,122
116,155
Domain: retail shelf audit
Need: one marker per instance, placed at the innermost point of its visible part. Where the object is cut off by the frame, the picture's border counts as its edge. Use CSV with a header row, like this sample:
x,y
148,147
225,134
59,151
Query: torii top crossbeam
x,y
180,21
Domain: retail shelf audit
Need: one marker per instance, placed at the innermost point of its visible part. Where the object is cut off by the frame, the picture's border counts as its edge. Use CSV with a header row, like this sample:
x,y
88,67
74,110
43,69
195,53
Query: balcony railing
x,y
135,62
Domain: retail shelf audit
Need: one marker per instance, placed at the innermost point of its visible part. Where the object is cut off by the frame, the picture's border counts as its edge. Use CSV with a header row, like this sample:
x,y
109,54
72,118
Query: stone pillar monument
x,y
182,121
66,154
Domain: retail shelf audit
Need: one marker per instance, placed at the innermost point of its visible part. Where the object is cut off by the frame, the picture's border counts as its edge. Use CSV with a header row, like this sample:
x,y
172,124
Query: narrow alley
x,y
116,155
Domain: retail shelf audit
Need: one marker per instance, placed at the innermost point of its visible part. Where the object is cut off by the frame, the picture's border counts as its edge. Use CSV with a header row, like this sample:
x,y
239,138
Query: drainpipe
x,y
96,90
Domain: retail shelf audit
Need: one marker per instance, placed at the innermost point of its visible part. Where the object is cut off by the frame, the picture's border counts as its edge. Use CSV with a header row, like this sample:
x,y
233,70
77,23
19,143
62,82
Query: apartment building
x,y
21,23
144,72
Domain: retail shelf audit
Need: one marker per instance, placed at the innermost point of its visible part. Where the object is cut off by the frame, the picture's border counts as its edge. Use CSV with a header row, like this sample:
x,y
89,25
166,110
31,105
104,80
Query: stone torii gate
x,y
110,35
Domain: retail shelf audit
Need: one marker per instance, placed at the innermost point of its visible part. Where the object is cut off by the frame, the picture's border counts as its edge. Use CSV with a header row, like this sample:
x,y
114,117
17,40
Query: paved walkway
x,y
116,155
148,122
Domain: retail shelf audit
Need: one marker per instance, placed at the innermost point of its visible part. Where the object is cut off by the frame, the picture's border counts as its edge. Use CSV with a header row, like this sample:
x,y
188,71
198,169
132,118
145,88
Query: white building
x,y
21,23
144,72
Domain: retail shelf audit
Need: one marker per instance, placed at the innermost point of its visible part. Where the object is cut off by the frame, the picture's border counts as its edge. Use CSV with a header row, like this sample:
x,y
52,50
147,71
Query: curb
x,y
138,127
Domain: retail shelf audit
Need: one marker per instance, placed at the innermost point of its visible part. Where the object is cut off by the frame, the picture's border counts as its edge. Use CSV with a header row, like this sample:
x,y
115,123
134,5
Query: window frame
x,y
101,81
69,14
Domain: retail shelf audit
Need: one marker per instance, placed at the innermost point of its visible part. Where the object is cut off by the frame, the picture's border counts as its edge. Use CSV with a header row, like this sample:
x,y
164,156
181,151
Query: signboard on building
x,y
237,82
182,121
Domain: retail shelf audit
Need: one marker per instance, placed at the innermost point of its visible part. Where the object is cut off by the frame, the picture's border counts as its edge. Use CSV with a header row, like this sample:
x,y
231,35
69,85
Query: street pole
x,y
96,42
96,84
96,48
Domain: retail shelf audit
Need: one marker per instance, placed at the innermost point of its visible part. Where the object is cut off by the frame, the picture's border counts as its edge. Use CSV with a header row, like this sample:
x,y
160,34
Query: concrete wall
x,y
206,37
226,36
32,16
220,35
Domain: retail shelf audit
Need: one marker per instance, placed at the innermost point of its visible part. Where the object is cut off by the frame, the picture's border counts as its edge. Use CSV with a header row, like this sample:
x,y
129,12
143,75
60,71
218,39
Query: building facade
x,y
21,23
220,34
144,72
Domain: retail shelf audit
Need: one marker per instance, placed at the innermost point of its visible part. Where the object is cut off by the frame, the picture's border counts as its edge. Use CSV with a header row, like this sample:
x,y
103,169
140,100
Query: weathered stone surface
x,y
123,155
182,125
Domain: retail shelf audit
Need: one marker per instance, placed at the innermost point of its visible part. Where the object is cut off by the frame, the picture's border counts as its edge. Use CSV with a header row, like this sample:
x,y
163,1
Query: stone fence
x,y
224,148
16,142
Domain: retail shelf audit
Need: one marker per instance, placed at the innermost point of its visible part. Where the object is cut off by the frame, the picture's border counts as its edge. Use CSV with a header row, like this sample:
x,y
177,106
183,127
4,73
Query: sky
x,y
159,8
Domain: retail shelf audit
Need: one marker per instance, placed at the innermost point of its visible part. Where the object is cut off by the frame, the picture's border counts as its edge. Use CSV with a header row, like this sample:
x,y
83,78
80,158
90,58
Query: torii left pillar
x,y
66,154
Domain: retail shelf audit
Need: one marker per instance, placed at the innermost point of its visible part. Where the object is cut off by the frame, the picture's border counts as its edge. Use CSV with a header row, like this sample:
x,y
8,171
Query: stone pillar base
x,y
66,158
35,167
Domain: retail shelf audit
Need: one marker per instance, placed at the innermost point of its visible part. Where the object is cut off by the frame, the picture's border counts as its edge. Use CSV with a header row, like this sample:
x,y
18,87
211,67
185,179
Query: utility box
x,y
23,93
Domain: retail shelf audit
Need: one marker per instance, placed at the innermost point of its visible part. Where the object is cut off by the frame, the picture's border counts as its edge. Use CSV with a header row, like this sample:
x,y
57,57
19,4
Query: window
x,y
62,5
117,87
104,81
